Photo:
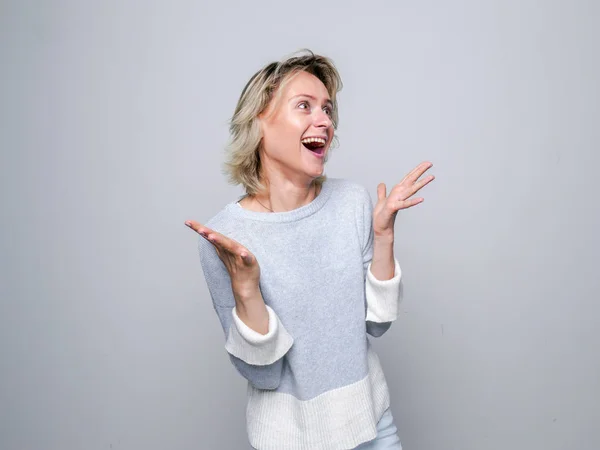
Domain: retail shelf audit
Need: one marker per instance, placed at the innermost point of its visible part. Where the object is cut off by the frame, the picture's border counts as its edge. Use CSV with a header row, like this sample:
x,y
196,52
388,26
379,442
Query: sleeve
x,y
257,357
382,297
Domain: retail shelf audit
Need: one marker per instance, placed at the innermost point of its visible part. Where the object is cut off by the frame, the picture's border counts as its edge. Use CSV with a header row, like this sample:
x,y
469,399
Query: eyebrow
x,y
328,101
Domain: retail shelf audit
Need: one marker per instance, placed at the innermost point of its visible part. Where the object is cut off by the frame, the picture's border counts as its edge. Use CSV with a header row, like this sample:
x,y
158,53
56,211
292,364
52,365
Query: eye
x,y
327,110
303,105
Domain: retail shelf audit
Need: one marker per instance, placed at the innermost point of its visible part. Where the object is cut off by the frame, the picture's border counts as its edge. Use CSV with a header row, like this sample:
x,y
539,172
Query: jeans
x,y
387,435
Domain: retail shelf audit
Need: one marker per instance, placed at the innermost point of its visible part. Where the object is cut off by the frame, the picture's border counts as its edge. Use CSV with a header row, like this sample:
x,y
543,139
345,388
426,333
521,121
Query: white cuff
x,y
383,296
255,348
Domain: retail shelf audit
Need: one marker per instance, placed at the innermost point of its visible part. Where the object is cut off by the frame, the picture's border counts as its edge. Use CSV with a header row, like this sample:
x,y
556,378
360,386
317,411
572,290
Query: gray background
x,y
113,119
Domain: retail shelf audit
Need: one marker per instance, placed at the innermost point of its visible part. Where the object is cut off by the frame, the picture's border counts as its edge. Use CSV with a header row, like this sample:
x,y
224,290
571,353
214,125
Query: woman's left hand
x,y
386,209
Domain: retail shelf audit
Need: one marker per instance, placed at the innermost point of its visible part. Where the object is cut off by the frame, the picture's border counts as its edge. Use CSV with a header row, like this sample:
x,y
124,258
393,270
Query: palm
x,y
241,264
387,207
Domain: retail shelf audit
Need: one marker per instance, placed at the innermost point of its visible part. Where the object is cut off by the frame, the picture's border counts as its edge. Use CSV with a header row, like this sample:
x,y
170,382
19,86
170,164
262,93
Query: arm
x,y
383,284
256,340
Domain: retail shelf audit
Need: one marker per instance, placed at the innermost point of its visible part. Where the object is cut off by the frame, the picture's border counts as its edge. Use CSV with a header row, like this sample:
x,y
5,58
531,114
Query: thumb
x,y
381,189
247,258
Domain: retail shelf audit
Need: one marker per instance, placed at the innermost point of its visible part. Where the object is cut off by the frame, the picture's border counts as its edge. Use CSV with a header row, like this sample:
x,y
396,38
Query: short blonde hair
x,y
243,159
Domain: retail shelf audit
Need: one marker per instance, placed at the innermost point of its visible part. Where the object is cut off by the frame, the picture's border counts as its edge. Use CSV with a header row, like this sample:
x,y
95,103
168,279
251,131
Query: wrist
x,y
382,263
384,238
247,294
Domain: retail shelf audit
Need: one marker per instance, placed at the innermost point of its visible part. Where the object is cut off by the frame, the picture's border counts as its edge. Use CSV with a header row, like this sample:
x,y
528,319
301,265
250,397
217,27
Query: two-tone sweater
x,y
314,380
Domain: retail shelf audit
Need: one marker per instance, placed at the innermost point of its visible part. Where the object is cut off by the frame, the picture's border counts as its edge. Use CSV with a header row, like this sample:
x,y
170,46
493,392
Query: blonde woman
x,y
301,269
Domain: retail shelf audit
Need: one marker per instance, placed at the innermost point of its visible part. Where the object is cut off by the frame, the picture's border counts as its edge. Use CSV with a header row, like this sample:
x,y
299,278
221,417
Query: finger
x,y
405,191
247,258
216,239
410,174
219,252
381,189
231,259
197,227
221,242
228,245
417,172
404,204
202,230
421,183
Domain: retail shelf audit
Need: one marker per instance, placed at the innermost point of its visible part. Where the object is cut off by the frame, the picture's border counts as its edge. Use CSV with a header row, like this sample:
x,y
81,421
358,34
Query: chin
x,y
316,173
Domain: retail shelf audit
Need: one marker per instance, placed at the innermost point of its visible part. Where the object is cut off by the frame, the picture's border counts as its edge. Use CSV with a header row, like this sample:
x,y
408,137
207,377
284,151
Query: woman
x,y
302,268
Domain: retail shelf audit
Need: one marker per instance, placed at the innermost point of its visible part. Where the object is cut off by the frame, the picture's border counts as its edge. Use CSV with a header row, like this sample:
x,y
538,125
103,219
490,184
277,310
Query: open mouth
x,y
315,144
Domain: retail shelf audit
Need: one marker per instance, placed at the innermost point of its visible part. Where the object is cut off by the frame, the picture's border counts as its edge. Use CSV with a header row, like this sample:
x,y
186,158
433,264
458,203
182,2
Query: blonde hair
x,y
242,165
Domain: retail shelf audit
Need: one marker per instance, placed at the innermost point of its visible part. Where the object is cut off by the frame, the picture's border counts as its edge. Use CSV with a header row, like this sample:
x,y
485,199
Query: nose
x,y
322,119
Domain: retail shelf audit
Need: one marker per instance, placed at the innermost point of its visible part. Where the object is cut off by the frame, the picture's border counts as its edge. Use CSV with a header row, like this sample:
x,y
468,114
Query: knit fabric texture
x,y
314,380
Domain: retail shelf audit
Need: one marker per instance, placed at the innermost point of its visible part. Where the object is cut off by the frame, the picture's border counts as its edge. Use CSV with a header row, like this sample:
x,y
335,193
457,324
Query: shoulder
x,y
219,221
349,190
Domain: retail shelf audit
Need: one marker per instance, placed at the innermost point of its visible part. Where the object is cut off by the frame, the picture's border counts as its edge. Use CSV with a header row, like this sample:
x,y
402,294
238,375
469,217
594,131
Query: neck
x,y
282,196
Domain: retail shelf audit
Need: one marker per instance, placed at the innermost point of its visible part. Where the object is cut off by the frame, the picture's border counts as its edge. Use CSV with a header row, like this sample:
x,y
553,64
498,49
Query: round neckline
x,y
284,216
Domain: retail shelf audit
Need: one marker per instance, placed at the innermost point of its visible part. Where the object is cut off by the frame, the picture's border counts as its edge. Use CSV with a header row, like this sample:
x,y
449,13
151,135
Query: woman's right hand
x,y
241,264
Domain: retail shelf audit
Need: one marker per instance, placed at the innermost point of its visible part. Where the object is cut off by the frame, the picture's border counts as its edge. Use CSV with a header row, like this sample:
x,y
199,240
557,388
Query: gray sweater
x,y
314,380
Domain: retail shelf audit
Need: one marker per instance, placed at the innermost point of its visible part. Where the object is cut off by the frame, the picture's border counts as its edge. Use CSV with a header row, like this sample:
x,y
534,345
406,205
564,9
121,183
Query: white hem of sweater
x,y
255,348
339,419
383,296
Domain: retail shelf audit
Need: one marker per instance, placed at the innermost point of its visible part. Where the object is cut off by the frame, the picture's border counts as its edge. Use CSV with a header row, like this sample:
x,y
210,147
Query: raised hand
x,y
387,207
241,264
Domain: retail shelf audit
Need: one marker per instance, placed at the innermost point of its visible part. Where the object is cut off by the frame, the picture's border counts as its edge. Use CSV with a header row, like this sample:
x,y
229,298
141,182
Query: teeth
x,y
319,140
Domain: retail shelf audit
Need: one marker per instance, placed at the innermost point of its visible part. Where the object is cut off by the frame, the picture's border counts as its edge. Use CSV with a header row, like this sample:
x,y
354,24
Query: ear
x,y
259,126
266,115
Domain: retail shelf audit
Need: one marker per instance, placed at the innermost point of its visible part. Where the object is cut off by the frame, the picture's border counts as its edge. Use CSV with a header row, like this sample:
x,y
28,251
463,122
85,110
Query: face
x,y
297,130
